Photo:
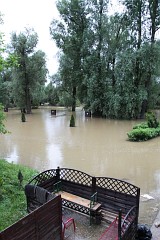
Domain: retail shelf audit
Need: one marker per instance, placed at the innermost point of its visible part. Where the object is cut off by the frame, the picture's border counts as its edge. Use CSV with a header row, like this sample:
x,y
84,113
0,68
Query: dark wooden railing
x,y
113,194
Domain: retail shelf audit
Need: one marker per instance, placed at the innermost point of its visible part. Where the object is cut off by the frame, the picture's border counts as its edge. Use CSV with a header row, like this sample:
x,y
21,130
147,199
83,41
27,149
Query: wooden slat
x,y
74,198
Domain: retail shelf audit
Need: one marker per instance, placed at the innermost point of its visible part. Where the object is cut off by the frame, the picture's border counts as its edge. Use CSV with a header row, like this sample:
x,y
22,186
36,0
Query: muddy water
x,y
98,147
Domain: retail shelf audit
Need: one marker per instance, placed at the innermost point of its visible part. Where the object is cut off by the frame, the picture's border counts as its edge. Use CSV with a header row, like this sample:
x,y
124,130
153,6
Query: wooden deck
x,y
81,192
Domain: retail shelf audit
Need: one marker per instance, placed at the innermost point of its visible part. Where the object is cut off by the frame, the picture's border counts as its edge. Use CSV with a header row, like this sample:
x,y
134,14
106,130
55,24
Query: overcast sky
x,y
38,14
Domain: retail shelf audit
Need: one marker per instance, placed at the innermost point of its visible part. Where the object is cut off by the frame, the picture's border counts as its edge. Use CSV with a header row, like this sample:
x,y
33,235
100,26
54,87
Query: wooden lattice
x,y
110,193
117,185
75,176
75,206
44,176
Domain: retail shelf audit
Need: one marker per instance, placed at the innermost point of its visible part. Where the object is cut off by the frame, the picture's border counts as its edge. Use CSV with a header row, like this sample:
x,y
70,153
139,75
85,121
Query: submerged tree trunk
x,y
74,92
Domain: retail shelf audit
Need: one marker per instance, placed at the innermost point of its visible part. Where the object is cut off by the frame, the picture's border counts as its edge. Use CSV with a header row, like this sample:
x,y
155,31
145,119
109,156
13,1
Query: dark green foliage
x,y
151,120
28,78
1,185
143,134
23,117
72,121
141,125
109,63
3,129
145,130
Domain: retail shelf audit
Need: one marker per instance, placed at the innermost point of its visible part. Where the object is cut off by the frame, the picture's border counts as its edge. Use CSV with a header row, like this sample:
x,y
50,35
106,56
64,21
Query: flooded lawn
x,y
95,146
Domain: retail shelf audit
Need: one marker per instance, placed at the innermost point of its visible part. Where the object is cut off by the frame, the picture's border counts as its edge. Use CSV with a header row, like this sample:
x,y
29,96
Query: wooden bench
x,y
78,203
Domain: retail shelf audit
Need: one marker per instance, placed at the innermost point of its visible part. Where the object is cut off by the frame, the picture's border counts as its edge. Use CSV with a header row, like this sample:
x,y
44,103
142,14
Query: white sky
x,y
37,14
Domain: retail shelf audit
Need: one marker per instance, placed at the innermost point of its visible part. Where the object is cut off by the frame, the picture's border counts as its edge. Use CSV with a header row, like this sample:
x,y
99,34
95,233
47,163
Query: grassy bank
x,y
12,197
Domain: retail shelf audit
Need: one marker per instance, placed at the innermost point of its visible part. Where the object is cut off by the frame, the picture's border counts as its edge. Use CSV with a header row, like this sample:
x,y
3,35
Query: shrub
x,y
72,121
152,120
143,134
141,125
23,117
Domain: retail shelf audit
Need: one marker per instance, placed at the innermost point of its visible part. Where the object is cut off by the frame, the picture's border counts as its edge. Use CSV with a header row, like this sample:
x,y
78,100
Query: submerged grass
x,y
12,197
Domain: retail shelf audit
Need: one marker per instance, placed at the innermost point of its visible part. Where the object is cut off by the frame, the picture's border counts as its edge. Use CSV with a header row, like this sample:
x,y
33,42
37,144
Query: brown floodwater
x,y
95,146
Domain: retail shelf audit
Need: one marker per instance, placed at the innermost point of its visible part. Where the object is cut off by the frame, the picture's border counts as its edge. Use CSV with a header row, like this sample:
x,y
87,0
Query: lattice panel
x,y
75,176
117,185
42,177
75,207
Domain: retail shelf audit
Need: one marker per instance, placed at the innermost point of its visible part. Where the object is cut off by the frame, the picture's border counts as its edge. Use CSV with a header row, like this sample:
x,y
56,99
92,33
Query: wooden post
x,y
57,174
53,112
93,185
137,205
5,109
119,224
87,113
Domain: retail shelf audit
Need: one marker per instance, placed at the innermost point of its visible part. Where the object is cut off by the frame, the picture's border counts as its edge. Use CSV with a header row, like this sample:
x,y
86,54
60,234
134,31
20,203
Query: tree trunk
x,y
28,101
74,99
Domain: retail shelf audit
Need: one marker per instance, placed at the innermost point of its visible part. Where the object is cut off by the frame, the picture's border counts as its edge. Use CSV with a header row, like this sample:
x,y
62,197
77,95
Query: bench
x,y
87,206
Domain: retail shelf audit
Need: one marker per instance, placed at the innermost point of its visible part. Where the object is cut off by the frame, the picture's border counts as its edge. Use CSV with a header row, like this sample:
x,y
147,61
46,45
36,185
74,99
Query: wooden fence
x,y
114,195
42,224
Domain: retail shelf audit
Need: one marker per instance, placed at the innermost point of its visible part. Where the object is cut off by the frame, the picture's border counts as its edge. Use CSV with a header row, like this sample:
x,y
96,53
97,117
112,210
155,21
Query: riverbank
x,y
12,195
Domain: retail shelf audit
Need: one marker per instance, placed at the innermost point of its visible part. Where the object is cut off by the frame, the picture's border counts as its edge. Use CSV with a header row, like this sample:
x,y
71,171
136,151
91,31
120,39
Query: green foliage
x,y
30,75
141,125
145,130
23,117
52,93
143,134
110,63
13,201
72,121
69,33
1,186
152,120
3,129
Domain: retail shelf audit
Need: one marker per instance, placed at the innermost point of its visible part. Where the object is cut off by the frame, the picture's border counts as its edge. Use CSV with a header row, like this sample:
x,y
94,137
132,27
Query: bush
x,y
151,120
141,125
72,121
143,134
23,117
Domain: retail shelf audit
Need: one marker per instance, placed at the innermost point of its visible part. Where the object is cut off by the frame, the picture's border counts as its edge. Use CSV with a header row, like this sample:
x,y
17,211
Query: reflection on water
x,y
96,146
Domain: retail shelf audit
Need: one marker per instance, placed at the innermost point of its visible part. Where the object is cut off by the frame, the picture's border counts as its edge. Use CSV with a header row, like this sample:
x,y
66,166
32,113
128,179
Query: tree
x,y
110,63
2,119
69,36
5,63
31,71
51,93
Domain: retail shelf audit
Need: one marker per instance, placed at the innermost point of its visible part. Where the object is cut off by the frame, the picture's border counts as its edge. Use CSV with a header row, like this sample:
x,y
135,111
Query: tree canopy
x,y
30,74
109,62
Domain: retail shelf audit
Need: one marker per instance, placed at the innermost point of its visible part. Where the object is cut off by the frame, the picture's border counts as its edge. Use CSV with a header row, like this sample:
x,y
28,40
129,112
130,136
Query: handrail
x,y
128,219
57,187
93,199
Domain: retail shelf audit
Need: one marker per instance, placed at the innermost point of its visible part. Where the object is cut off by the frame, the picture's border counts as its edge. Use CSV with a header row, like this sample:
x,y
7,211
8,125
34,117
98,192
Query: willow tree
x,y
31,71
140,67
69,34
5,64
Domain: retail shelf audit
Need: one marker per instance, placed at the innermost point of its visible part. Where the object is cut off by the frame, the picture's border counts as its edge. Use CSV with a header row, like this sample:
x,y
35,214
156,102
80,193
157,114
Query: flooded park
x,y
96,146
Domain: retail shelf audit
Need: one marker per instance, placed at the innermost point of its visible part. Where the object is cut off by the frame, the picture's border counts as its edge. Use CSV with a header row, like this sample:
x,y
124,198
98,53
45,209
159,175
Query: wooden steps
x,y
107,216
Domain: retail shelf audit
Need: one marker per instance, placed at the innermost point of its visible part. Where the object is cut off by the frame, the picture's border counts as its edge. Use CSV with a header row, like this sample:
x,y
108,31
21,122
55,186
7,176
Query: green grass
x,y
12,196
